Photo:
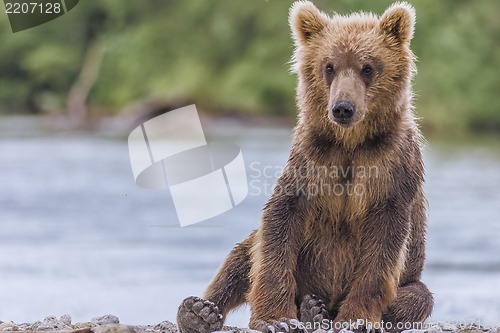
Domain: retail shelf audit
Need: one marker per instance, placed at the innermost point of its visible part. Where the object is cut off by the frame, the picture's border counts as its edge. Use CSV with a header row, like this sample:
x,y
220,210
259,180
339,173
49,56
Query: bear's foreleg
x,y
230,287
274,262
383,238
227,290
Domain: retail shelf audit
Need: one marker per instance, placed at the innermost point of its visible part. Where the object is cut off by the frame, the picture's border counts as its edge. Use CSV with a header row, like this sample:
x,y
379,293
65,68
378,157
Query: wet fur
x,y
362,255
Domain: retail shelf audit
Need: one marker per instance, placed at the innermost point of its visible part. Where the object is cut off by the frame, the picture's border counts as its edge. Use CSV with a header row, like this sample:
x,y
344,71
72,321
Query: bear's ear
x,y
398,22
306,20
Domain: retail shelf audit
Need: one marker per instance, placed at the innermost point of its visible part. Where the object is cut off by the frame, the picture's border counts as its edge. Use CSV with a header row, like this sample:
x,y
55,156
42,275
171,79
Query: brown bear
x,y
342,237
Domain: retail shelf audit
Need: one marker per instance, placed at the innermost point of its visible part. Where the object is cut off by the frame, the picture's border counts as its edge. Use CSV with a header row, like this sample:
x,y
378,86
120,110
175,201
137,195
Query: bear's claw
x,y
313,310
196,315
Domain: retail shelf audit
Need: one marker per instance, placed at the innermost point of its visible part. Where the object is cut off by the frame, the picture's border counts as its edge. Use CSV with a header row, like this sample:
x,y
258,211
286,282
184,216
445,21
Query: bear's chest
x,y
339,195
328,259
337,188
344,188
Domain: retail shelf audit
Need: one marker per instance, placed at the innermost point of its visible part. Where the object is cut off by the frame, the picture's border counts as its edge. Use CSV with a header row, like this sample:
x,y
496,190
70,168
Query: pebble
x,y
414,331
106,319
435,329
166,327
65,320
345,330
114,328
51,324
34,326
449,327
78,326
111,324
8,326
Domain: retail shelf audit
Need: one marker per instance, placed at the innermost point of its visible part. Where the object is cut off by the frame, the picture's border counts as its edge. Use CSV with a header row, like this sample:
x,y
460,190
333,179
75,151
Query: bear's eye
x,y
367,70
329,69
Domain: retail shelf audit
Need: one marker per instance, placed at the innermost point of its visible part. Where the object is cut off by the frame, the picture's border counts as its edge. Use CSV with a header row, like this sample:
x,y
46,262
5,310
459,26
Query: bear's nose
x,y
343,109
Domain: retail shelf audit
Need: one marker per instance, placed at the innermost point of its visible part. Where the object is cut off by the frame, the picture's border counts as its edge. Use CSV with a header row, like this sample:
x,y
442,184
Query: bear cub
x,y
342,238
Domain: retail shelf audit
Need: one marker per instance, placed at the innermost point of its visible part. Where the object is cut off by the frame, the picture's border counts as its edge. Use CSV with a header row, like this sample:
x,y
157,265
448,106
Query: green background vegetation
x,y
231,58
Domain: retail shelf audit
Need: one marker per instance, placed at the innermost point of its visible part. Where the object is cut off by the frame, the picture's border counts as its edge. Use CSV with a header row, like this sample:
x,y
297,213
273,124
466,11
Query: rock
x,y
106,319
415,331
464,328
237,330
434,329
449,327
165,327
34,326
110,324
8,326
23,327
345,330
81,326
65,320
51,324
81,330
114,328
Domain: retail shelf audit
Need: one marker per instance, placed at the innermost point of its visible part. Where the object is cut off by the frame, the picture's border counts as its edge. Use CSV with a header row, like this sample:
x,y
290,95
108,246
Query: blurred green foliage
x,y
231,57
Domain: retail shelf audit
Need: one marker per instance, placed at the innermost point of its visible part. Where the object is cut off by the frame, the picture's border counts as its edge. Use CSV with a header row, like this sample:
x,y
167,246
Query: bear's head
x,y
354,71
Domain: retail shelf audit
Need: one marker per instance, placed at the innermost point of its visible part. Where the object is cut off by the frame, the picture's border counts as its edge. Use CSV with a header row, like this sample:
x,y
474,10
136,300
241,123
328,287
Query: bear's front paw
x,y
283,325
313,310
196,315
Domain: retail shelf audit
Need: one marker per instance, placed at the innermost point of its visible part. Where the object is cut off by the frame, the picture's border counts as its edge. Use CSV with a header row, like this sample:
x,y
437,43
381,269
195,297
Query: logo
x,y
26,14
204,179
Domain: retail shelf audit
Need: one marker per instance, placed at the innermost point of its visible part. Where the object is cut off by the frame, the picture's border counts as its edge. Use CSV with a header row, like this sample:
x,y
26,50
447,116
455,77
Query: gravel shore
x,y
111,324
103,324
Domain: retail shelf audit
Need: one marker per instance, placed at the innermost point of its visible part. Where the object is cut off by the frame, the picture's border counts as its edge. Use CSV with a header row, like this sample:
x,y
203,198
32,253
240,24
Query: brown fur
x,y
362,253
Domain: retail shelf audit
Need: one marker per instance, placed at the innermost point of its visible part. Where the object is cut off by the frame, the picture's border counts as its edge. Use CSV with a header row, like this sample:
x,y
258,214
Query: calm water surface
x,y
79,237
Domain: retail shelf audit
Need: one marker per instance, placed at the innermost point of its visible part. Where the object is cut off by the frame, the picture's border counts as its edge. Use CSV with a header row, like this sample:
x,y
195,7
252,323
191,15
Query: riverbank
x,y
103,324
111,324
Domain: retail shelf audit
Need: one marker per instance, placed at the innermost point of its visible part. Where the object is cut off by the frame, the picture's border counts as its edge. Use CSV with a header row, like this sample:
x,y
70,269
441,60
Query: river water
x,y
79,237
